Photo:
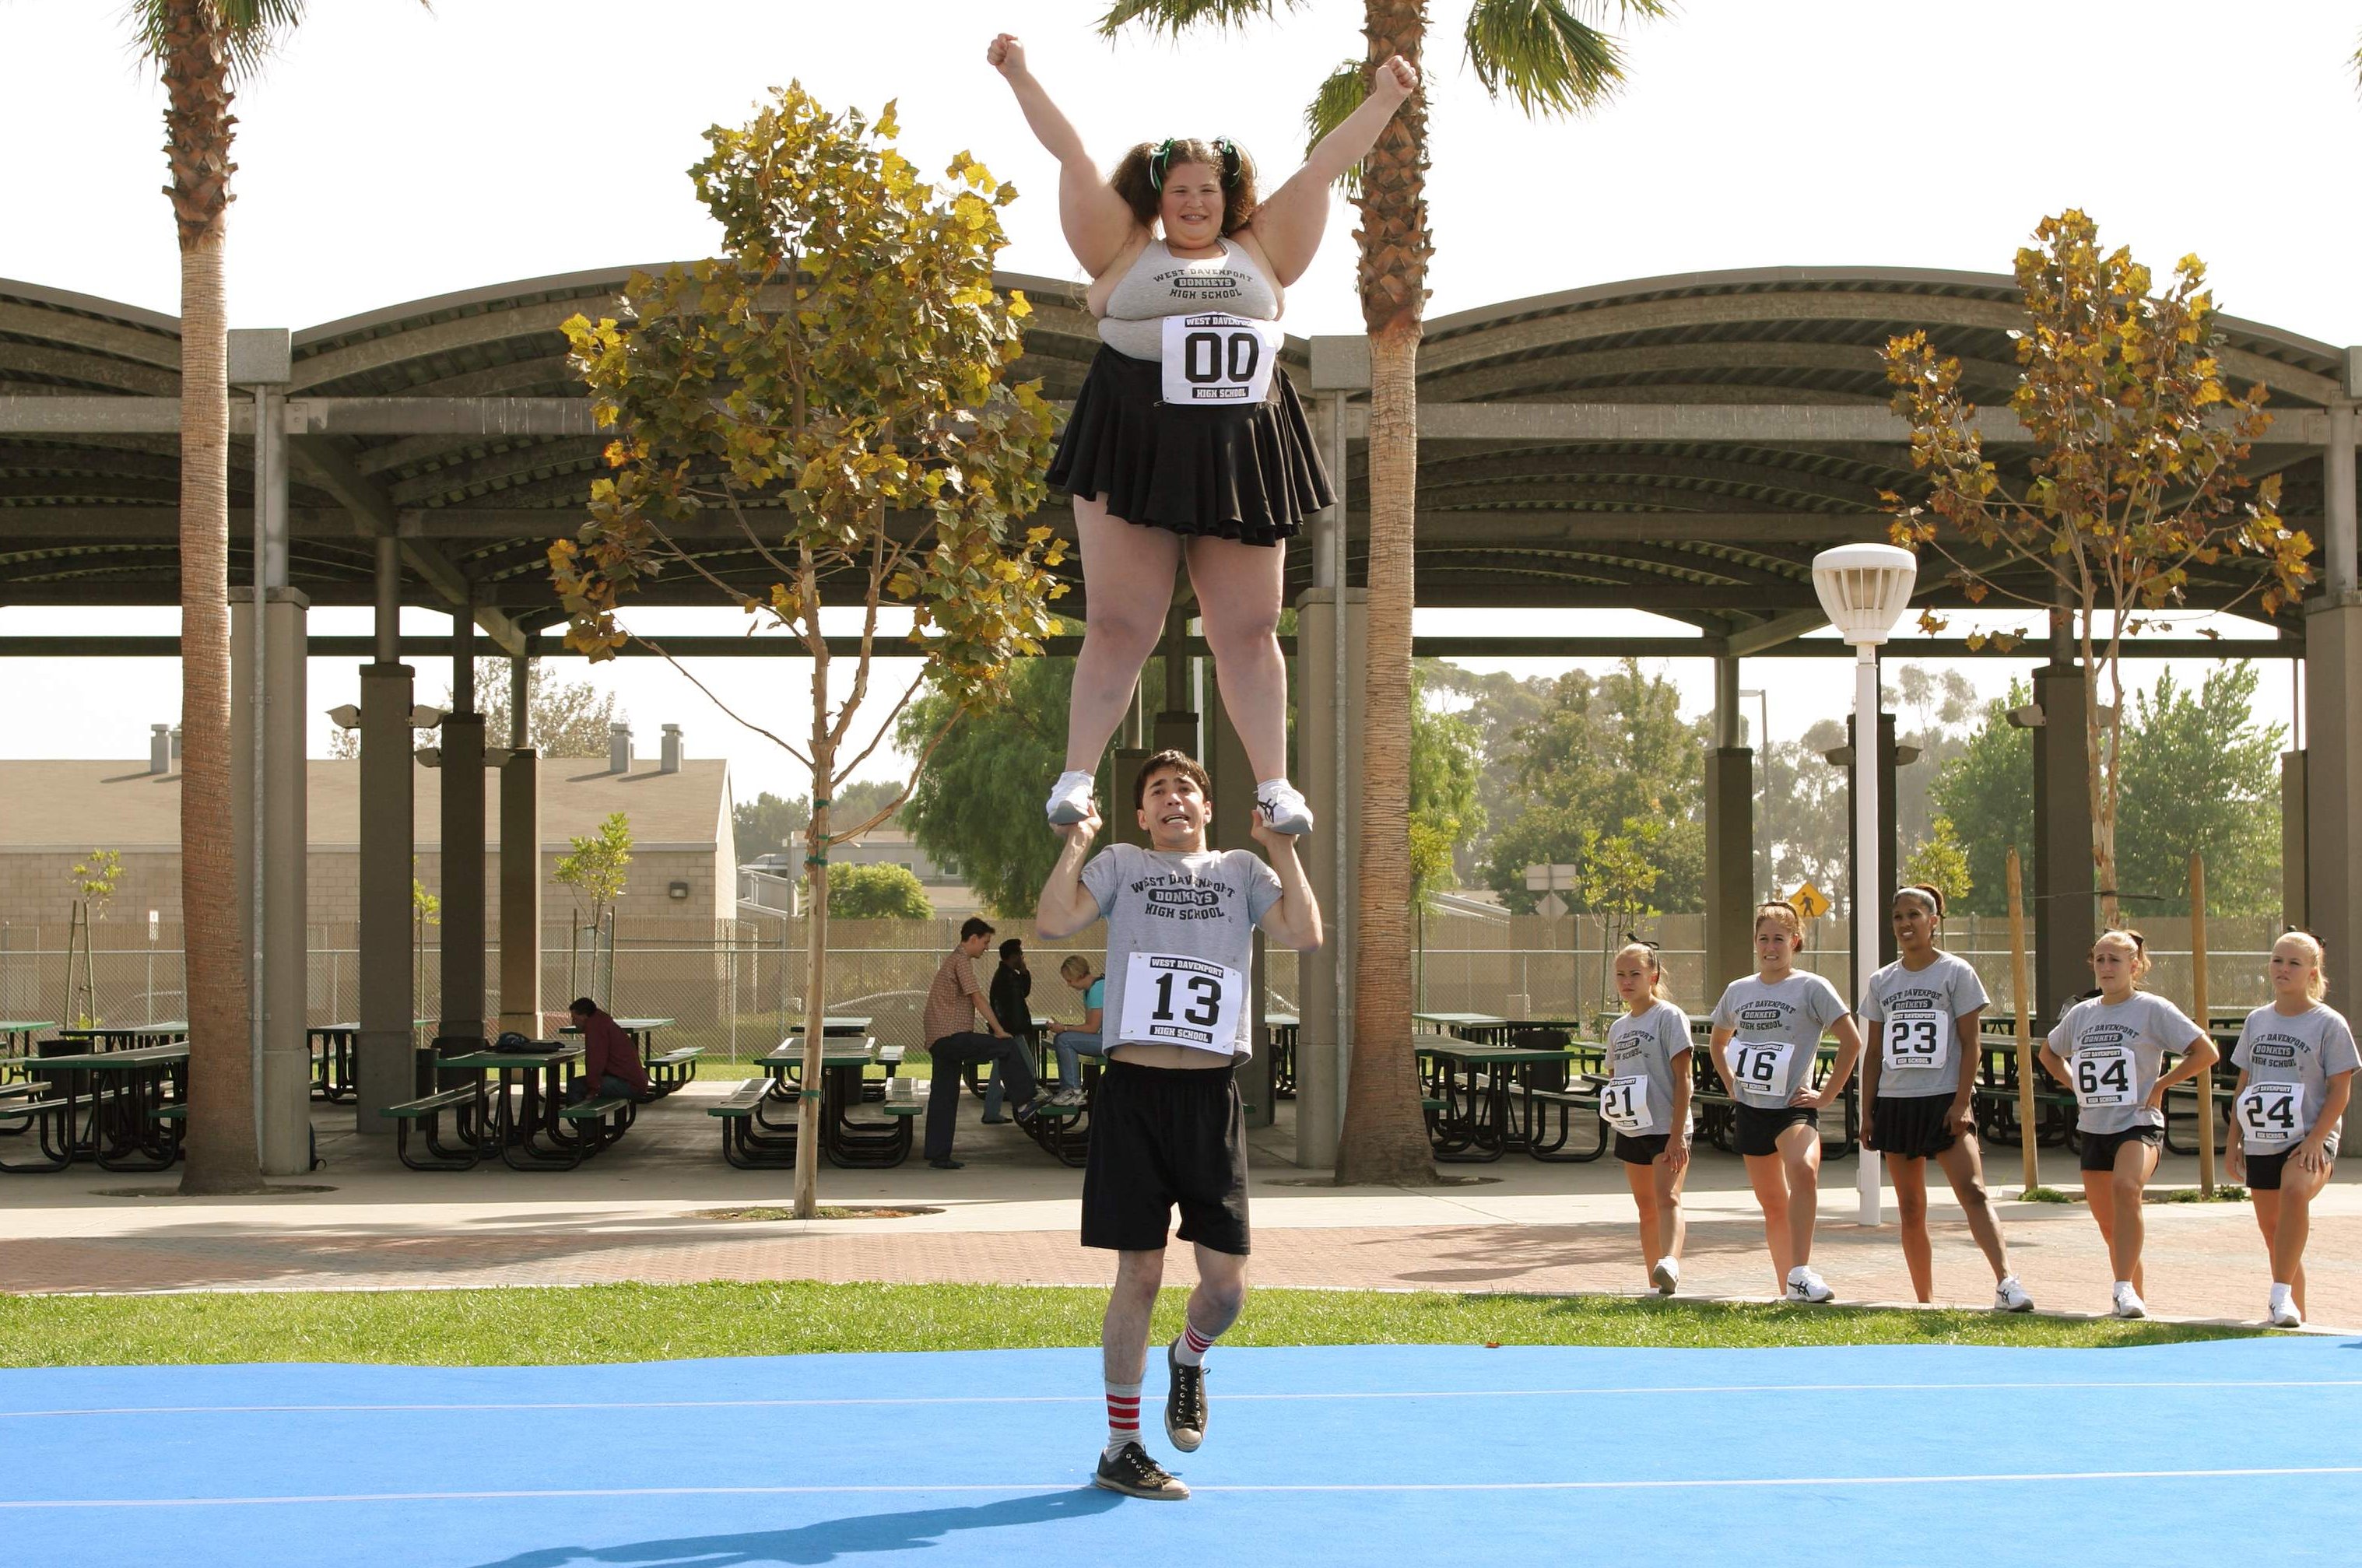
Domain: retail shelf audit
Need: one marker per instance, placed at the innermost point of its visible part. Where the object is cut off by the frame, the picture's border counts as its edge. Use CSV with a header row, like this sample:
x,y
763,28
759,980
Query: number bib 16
x,y
1172,1001
2268,1113
1624,1105
1917,1040
1761,1065
2104,1076
1213,360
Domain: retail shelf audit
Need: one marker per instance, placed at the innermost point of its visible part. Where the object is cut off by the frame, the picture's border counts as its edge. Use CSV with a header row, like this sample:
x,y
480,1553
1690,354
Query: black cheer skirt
x,y
1250,474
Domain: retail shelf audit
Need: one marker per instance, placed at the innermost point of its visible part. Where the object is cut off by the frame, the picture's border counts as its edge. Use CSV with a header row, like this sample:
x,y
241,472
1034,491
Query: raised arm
x,y
1066,906
1097,221
1289,222
1295,920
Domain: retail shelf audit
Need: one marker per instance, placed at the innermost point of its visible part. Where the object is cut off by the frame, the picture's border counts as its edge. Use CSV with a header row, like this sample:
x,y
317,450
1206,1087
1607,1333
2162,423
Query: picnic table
x,y
1485,1100
16,1043
667,1070
331,1057
121,1110
1483,1027
527,1120
126,1036
851,1142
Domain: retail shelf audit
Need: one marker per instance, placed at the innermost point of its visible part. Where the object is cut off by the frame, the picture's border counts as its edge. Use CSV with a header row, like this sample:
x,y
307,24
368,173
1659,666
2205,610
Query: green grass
x,y
2224,1192
642,1322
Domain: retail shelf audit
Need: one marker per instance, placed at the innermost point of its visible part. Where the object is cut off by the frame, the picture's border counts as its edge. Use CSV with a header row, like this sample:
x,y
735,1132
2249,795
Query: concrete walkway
x,y
637,1213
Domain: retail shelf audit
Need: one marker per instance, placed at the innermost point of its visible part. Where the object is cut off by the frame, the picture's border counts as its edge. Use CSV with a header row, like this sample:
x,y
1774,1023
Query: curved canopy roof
x,y
1678,444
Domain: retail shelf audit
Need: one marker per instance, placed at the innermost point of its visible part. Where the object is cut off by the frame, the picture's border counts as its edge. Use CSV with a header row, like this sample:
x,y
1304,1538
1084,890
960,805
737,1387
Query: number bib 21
x,y
1624,1103
2268,1112
1917,1040
2104,1076
1213,360
1172,1001
1761,1066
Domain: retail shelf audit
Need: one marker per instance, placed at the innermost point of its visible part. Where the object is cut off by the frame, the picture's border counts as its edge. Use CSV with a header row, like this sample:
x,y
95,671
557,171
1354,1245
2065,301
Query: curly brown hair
x,y
1140,178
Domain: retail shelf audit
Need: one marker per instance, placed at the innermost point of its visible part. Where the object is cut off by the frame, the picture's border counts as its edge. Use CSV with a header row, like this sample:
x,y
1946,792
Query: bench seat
x,y
741,1100
426,1114
414,1109
594,1109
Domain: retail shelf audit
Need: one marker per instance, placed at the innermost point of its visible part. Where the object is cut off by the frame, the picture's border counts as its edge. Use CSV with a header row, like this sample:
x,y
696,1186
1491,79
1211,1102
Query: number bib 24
x,y
1213,360
1917,1040
2268,1113
1624,1103
2104,1076
1761,1065
1172,1001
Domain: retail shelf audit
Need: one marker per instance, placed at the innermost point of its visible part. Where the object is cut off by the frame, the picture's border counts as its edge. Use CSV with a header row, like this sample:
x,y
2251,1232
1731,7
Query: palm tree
x,y
1554,56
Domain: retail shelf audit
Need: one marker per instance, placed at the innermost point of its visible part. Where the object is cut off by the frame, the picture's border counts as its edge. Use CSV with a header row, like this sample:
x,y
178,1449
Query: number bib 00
x,y
2268,1113
1761,1064
1213,360
2104,1076
1917,1040
1172,1001
1624,1105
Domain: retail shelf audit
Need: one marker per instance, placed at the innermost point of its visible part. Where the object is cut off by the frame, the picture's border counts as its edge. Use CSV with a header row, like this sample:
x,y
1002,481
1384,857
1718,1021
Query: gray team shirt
x,y
2308,1051
1197,905
1949,986
1796,1009
2144,1023
1649,1041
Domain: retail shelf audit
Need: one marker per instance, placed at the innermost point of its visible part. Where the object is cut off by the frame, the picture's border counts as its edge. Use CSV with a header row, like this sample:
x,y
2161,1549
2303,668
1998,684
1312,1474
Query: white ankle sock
x,y
1190,1348
2282,1293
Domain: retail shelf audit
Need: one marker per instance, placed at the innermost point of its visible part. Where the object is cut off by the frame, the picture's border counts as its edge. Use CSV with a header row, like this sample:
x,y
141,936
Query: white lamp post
x,y
1863,590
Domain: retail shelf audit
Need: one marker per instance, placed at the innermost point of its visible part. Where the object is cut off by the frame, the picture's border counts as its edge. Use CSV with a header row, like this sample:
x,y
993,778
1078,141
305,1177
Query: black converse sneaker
x,y
1130,1471
1185,1404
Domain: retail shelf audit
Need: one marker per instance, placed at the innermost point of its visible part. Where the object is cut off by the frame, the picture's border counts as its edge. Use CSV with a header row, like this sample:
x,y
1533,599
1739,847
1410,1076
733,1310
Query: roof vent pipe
x,y
159,748
618,748
671,763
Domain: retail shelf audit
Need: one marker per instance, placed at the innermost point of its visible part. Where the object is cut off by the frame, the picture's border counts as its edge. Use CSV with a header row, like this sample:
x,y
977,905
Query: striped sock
x,y
1190,1349
1123,1415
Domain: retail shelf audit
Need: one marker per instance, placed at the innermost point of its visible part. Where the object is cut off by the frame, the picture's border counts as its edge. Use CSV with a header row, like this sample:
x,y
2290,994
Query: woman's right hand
x,y
2234,1157
1006,55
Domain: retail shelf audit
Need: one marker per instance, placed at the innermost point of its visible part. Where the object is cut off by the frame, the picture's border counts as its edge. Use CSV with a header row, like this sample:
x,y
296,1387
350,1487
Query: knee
x,y
1912,1207
1226,1296
1242,629
1803,1177
2125,1187
1121,632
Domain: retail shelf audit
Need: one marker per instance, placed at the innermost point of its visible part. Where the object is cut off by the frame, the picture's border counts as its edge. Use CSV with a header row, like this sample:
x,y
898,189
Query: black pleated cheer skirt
x,y
1250,474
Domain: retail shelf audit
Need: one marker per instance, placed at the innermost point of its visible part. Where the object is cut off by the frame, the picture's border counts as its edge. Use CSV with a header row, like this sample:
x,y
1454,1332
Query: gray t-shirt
x,y
1794,1011
1201,906
1653,1043
2304,1052
2115,1054
1948,988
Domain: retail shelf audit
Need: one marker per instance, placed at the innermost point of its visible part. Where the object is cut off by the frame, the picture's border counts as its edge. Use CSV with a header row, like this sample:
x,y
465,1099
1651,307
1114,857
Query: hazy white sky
x,y
390,154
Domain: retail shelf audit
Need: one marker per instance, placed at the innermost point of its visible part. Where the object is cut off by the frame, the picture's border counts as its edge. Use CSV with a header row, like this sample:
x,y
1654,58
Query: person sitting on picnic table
x,y
1073,1044
954,1000
611,1058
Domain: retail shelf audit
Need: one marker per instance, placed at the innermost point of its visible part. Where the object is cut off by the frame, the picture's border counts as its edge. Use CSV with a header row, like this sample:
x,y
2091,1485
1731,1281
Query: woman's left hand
x,y
1397,79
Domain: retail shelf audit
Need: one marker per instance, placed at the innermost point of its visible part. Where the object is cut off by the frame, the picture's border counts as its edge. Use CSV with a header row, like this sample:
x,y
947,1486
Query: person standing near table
x,y
1168,1129
611,1061
1011,996
954,1000
1918,1090
1647,1099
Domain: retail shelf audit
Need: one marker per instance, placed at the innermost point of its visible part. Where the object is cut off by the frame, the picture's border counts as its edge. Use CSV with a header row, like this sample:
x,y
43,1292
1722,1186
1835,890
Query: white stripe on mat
x,y
1702,1483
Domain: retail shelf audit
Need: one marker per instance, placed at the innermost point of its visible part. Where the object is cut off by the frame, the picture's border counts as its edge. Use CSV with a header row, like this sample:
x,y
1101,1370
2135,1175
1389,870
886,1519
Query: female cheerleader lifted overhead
x,y
1767,1040
1918,1089
1185,438
2296,1062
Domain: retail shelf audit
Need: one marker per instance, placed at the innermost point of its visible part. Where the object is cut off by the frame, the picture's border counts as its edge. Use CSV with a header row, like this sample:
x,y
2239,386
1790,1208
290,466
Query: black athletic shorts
x,y
1162,1137
1911,1126
1642,1149
1758,1130
2100,1148
2264,1170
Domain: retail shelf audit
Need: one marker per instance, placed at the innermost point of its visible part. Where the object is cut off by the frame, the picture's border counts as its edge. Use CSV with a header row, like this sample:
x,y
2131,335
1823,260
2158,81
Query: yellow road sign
x,y
1810,901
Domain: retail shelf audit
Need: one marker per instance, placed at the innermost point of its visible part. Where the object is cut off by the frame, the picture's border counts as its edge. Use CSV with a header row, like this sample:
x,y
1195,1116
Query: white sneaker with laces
x,y
2128,1302
2282,1313
1285,806
1804,1285
1667,1275
2009,1296
1070,799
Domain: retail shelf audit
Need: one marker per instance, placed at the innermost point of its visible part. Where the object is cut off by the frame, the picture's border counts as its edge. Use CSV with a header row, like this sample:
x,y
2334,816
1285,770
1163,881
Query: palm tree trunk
x,y
221,1145
1385,1138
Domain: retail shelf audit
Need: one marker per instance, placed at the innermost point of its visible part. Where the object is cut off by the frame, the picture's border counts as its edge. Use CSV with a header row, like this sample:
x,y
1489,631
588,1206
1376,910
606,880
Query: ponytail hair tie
x,y
1156,164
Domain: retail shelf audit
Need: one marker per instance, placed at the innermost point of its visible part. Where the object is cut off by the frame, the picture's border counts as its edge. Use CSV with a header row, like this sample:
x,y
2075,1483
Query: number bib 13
x,y
2104,1076
1761,1065
1213,360
1172,1001
2268,1113
1917,1040
1624,1105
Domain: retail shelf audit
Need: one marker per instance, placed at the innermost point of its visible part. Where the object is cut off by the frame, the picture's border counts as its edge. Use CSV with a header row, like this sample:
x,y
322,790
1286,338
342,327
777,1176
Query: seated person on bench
x,y
1074,1043
611,1060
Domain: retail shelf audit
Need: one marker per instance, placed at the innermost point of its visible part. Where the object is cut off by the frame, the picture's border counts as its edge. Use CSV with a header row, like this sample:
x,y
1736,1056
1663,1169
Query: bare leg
x,y
1799,1151
2119,1212
1123,1333
1128,573
1768,1175
1238,591
2297,1187
1910,1178
1673,1226
1642,1179
1221,1291
1964,1166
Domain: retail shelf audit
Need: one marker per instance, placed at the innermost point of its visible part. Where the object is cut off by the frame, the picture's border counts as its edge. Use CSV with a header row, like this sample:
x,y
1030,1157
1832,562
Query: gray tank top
x,y
1160,285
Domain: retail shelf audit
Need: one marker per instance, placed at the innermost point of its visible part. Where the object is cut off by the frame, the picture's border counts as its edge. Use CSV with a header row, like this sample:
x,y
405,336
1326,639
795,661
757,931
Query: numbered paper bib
x,y
1624,1105
1761,1064
2270,1113
1214,360
1917,1040
1172,1001
2104,1076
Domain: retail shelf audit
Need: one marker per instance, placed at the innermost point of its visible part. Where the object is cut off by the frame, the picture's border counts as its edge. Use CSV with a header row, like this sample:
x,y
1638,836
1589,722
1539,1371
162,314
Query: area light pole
x,y
1864,591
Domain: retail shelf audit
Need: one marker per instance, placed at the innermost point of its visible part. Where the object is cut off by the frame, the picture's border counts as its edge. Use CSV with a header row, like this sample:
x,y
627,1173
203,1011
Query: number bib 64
x,y
1213,360
1172,1001
2104,1076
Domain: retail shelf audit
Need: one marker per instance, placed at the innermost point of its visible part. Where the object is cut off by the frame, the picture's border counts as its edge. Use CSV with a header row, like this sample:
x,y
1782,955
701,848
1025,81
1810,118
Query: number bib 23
x,y
1213,360
2104,1076
1761,1066
1624,1104
1917,1040
2268,1113
1172,1001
